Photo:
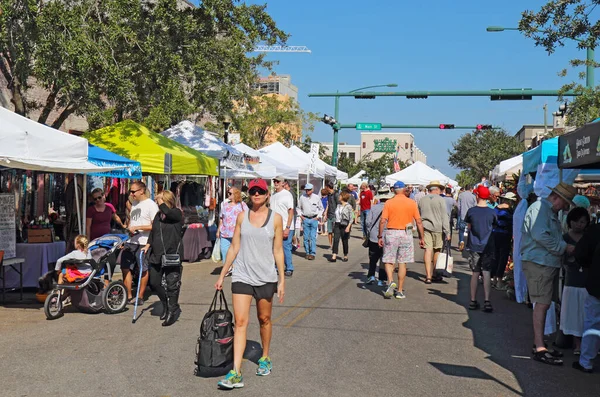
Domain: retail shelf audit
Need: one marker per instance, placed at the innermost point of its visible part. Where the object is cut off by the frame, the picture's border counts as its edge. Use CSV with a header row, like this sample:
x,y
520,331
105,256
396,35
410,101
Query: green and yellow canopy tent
x,y
156,153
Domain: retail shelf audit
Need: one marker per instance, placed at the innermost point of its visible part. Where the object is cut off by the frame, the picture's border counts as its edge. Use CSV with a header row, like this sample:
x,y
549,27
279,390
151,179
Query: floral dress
x,y
229,214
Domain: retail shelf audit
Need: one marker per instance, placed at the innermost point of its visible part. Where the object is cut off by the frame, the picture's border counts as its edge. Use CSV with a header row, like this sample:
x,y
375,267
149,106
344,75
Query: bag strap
x,y
374,223
222,301
213,305
163,241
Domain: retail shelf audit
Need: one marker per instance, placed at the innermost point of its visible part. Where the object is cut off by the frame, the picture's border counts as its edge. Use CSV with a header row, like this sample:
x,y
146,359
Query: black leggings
x,y
375,254
503,245
340,231
173,282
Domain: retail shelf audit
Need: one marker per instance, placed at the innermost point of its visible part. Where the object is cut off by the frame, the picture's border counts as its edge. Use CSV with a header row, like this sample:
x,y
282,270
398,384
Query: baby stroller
x,y
91,295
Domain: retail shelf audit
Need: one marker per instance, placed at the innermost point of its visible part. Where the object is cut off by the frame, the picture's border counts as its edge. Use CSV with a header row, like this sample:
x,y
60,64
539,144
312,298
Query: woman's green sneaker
x,y
232,380
264,366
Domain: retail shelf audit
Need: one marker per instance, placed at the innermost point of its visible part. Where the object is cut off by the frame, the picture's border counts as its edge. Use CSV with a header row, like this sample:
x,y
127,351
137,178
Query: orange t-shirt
x,y
400,211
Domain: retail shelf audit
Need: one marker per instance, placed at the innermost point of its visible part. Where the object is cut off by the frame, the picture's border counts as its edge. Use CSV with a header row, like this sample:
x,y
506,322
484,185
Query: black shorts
x,y
129,257
480,261
261,292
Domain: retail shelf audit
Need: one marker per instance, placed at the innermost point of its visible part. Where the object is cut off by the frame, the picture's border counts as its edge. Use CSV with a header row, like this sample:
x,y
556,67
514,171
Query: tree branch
x,y
50,103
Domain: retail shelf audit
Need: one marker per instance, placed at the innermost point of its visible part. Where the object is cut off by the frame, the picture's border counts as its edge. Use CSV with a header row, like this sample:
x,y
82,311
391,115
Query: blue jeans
x,y
462,225
310,235
363,222
287,252
590,343
225,243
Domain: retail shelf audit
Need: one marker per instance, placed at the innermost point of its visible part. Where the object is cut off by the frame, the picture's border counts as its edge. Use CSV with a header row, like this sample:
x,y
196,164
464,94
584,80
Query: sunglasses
x,y
229,193
257,190
134,191
97,198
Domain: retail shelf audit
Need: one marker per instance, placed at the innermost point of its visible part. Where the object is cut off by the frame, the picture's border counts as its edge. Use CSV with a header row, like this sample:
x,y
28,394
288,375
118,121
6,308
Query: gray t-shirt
x,y
255,262
466,200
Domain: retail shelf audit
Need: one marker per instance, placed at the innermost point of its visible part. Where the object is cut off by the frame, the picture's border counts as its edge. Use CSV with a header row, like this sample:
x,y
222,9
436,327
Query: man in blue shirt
x,y
542,248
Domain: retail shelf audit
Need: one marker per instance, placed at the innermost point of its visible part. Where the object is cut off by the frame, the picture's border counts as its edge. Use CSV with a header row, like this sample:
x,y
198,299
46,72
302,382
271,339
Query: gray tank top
x,y
255,263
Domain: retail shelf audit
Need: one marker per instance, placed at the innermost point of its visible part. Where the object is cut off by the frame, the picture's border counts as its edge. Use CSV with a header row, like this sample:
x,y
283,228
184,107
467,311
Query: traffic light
x,y
481,127
446,126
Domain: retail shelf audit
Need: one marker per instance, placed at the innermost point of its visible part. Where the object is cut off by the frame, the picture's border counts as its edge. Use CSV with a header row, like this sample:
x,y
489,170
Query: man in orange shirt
x,y
396,237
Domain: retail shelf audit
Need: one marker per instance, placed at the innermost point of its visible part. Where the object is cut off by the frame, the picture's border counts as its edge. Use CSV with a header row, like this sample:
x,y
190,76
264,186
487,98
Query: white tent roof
x,y
322,167
26,144
418,174
266,163
507,167
355,179
276,151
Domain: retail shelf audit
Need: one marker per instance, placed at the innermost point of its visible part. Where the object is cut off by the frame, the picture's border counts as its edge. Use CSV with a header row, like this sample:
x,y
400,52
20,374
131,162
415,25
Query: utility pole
x,y
545,119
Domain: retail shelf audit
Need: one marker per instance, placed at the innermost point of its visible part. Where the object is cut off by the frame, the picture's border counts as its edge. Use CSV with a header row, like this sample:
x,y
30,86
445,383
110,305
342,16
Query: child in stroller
x,y
81,277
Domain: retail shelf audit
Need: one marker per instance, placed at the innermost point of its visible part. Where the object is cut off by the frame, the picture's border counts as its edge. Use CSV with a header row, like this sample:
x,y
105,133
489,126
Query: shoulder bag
x,y
169,260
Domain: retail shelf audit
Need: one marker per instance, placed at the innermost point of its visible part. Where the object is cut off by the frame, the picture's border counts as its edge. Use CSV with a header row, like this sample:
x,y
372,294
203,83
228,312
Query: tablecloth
x,y
37,256
196,244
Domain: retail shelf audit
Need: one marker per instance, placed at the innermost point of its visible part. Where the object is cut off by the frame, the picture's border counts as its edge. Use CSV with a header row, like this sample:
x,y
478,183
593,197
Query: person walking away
x,y
256,248
344,215
436,225
494,197
375,251
502,235
282,202
323,216
333,199
166,238
373,193
420,194
480,246
396,237
542,248
451,204
99,216
587,254
466,200
309,208
143,211
229,212
574,292
366,197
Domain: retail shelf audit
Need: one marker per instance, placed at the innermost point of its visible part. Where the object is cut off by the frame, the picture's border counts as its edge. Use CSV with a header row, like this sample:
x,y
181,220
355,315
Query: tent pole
x,y
84,209
77,202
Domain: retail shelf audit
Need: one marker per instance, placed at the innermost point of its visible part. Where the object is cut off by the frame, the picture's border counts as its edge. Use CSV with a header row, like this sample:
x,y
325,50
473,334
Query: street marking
x,y
315,305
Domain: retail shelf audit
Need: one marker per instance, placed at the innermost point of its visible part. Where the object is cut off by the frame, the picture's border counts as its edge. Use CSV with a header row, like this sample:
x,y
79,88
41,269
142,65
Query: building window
x,y
406,145
364,145
342,155
352,156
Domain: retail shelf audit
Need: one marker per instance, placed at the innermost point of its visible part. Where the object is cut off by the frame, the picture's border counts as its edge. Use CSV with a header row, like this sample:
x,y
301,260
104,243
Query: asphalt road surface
x,y
333,336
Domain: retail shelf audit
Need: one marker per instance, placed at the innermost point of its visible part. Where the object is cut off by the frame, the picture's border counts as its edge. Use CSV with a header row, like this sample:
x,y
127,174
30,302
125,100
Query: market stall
x,y
419,174
283,169
507,168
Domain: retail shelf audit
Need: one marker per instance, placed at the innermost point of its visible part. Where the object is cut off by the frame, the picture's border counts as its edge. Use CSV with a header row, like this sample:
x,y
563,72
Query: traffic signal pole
x,y
336,130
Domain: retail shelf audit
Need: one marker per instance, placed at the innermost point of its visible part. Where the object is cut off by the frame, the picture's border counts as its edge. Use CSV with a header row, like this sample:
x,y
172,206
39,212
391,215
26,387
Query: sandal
x,y
345,259
474,305
427,281
544,356
554,353
487,307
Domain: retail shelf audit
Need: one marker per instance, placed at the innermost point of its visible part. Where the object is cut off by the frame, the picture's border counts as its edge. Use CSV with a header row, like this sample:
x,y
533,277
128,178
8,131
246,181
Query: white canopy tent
x,y
507,168
268,163
355,179
276,151
419,174
321,167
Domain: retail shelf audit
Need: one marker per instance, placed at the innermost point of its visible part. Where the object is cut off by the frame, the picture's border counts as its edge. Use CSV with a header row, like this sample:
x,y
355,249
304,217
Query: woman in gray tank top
x,y
256,248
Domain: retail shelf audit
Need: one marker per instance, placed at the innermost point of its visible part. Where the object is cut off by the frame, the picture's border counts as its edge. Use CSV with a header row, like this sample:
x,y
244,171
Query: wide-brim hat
x,y
384,194
509,196
565,191
436,183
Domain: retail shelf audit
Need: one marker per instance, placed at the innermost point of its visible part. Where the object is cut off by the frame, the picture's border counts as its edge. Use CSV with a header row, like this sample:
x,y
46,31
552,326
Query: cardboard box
x,y
39,235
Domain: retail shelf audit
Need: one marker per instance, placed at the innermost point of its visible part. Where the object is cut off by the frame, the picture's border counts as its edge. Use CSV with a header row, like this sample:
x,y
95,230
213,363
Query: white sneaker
x,y
389,292
400,295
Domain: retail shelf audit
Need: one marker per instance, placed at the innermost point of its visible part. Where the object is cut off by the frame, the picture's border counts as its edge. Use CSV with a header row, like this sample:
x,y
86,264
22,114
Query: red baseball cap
x,y
261,183
483,192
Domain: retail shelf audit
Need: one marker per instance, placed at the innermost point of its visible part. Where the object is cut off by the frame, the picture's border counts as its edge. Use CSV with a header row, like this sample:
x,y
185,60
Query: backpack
x,y
214,352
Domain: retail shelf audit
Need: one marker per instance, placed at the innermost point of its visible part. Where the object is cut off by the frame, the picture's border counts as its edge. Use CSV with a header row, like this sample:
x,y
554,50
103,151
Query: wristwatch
x,y
287,227
379,236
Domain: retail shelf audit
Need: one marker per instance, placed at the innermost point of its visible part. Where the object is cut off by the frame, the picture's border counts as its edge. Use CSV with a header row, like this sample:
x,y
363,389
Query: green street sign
x,y
368,126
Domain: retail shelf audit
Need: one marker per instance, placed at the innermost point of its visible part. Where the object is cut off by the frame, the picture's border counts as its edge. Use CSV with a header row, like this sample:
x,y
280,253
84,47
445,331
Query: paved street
x,y
333,336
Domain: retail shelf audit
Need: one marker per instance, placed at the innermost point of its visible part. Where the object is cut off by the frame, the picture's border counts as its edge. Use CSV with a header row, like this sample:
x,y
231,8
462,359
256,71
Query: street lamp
x,y
589,70
336,117
226,124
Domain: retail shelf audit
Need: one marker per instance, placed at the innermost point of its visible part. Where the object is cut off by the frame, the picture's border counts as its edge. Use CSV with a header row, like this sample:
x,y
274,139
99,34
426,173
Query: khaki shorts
x,y
540,282
433,240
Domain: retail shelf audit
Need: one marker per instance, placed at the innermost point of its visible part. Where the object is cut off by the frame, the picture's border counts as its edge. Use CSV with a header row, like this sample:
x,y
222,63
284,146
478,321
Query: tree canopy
x,y
115,59
478,152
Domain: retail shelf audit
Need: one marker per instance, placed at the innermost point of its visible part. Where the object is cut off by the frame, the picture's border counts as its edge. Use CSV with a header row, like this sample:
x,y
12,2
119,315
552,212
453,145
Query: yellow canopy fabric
x,y
156,153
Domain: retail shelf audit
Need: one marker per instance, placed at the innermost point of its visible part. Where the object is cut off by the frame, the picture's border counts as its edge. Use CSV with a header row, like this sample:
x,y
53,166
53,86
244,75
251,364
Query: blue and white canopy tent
x,y
129,169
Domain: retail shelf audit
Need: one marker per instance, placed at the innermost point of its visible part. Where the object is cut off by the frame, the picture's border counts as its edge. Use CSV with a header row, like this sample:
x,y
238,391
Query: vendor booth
x,y
419,174
282,169
507,168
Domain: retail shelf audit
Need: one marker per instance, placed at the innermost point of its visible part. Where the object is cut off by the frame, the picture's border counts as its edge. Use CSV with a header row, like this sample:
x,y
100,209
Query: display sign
x,y
385,145
8,233
580,148
314,156
368,126
234,138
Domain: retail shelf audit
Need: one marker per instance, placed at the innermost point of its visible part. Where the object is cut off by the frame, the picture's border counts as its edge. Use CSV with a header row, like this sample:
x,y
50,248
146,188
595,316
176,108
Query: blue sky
x,y
433,45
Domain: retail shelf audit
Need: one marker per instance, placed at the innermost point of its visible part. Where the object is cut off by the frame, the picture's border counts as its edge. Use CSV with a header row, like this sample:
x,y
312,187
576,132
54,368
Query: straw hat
x,y
565,191
436,183
384,194
509,196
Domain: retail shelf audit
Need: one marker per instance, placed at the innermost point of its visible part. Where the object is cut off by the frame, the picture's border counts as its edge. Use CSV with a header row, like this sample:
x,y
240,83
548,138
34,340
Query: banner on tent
x,y
8,236
314,156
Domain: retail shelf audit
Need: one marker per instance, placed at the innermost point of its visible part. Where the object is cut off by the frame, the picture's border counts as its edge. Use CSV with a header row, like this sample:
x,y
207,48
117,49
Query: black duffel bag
x,y
214,352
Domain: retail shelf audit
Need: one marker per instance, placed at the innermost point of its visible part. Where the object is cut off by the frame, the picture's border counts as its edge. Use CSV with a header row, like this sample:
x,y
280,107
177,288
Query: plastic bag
x,y
216,252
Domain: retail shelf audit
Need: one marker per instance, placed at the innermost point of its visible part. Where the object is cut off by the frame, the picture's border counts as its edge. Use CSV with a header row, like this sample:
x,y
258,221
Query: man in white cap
x,y
282,202
542,248
309,208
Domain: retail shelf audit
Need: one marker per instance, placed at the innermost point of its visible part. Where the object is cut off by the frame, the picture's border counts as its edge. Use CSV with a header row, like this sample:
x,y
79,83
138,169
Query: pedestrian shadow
x,y
465,371
216,271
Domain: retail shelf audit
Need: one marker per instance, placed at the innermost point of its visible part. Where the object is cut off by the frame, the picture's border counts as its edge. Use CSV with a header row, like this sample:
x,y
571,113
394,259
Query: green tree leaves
x,y
478,152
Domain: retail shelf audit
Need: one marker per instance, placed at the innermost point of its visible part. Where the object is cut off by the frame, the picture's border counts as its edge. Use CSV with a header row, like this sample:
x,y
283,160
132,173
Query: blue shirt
x,y
505,221
542,241
482,221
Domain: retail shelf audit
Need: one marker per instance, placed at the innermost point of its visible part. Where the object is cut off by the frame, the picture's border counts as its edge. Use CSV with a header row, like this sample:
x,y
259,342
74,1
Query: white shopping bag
x,y
445,260
216,253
